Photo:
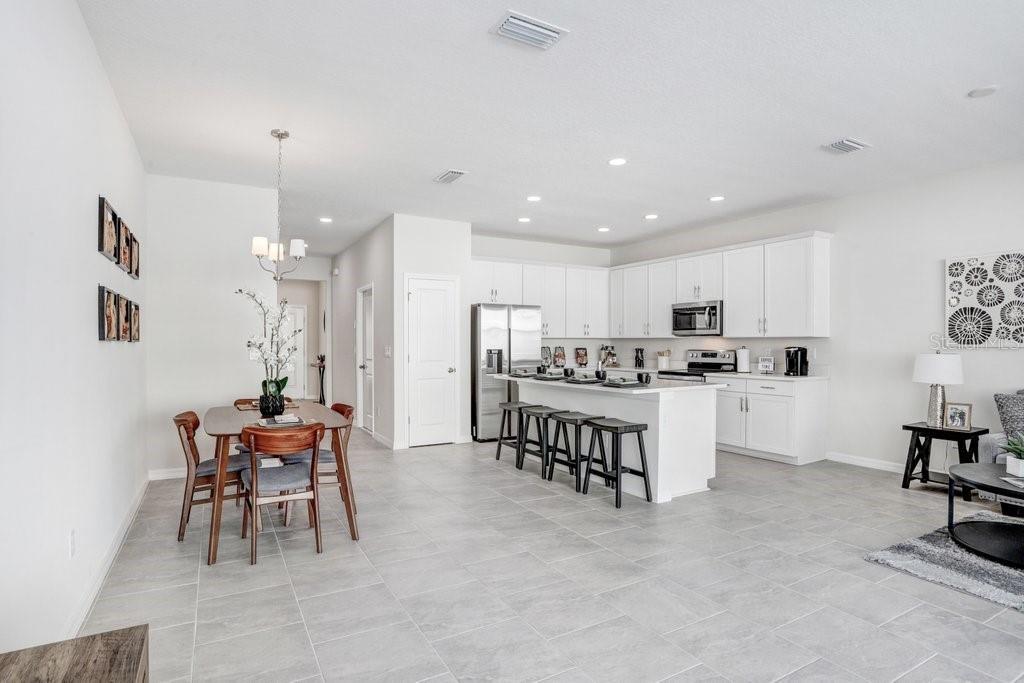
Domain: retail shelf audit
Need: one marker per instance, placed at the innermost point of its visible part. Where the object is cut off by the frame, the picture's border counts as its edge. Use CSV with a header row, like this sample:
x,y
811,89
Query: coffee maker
x,y
796,361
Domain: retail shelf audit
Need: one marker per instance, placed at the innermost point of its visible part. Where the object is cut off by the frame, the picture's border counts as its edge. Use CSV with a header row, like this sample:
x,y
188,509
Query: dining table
x,y
226,422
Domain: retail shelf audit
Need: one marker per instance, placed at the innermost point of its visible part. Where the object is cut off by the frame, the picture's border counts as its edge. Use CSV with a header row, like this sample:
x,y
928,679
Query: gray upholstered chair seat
x,y
236,463
326,456
274,479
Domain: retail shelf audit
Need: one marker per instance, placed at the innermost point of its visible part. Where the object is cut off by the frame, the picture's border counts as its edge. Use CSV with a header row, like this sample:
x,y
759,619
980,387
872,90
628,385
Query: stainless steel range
x,y
702,361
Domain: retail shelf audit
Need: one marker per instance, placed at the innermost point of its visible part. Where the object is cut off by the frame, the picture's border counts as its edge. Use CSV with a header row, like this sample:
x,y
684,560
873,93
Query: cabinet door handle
x,y
764,387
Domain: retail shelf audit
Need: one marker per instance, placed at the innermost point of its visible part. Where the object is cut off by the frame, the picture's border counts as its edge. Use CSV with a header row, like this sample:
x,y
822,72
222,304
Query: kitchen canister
x,y
743,359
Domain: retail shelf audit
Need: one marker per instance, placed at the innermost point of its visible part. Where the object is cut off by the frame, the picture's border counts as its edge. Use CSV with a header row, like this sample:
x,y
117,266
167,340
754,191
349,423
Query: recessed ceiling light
x,y
603,228
533,198
617,161
651,217
983,92
524,219
325,219
716,198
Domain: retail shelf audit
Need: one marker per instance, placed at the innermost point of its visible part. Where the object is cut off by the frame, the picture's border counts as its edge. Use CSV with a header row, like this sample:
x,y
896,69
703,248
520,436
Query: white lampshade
x,y
259,246
297,249
938,368
276,251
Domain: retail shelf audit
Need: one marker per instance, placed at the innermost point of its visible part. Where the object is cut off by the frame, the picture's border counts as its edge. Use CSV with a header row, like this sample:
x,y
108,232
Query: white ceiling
x,y
729,97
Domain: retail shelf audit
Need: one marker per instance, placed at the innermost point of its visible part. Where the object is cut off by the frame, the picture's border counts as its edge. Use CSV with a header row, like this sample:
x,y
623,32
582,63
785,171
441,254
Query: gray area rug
x,y
937,558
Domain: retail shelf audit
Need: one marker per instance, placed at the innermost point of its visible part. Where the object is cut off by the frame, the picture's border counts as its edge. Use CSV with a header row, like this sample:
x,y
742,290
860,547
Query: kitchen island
x,y
680,436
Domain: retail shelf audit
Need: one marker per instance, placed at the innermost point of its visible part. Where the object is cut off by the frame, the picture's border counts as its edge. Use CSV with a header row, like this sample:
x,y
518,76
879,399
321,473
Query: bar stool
x,y
506,420
540,415
572,459
617,428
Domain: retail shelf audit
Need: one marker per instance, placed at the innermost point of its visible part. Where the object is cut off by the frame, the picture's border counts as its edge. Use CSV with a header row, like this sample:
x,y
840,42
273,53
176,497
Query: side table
x,y
920,452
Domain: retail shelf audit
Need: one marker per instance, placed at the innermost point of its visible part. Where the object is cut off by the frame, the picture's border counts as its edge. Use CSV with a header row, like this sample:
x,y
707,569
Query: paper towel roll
x,y
743,359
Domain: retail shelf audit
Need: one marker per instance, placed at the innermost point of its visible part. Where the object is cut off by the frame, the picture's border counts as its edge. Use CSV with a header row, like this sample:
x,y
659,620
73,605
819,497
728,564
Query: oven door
x,y
703,318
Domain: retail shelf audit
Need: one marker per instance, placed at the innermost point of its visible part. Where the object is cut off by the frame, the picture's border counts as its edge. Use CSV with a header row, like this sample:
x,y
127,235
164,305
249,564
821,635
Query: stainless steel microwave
x,y
699,318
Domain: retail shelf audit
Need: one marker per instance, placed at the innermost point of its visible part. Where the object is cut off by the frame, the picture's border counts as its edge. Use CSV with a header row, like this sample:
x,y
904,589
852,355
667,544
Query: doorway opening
x,y
307,311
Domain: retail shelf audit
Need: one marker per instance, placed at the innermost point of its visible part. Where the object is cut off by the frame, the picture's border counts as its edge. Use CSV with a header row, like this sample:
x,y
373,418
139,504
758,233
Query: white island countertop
x,y
657,386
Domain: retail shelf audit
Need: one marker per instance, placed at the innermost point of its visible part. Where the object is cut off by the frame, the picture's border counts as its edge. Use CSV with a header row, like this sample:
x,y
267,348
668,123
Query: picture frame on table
x,y
107,243
136,326
108,307
124,319
136,255
124,246
957,415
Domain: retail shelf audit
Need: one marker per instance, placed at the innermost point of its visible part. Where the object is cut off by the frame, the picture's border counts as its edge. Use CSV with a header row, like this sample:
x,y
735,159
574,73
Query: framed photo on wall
x,y
124,247
134,270
108,323
135,323
124,319
108,237
957,415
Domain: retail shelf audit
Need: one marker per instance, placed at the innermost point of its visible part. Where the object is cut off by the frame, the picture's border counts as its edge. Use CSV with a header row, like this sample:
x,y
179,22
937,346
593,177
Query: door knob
x,y
451,369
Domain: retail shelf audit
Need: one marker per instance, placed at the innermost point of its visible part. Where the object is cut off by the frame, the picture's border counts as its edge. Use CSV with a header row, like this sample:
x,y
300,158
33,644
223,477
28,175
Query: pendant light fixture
x,y
269,253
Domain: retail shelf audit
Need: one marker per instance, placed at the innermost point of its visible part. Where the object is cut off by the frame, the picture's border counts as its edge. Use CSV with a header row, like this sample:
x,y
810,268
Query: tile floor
x,y
469,569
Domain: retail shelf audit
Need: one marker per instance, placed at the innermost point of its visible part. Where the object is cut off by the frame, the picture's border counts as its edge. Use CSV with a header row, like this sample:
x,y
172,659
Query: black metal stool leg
x,y
501,435
643,464
590,460
617,465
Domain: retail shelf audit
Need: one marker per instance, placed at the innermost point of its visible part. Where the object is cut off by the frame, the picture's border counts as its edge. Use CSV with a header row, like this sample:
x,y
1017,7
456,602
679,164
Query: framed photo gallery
x,y
119,316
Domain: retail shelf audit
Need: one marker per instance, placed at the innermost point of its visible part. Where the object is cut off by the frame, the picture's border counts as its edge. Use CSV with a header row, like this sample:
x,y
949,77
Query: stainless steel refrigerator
x,y
504,338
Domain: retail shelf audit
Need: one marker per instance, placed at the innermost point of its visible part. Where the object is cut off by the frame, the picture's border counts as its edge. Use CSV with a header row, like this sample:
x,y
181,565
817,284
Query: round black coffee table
x,y
1001,542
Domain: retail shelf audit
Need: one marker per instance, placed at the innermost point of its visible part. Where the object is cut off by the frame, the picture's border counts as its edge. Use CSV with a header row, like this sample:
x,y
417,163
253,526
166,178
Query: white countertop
x,y
758,376
656,386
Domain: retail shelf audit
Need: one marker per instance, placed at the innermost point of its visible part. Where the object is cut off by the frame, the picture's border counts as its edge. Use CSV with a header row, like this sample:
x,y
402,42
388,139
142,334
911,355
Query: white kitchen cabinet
x,y
743,291
699,278
634,302
661,294
773,418
586,302
496,282
796,288
616,327
544,286
731,419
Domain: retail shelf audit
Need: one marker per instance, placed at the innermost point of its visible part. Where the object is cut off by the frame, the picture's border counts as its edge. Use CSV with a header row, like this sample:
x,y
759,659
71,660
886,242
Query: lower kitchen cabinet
x,y
777,419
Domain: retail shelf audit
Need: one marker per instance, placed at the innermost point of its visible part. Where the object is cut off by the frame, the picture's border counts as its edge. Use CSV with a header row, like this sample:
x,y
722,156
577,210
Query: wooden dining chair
x,y
201,474
289,482
329,472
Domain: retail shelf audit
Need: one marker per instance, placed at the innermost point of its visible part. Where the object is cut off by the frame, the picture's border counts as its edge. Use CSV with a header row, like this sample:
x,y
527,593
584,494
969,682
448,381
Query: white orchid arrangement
x,y
275,347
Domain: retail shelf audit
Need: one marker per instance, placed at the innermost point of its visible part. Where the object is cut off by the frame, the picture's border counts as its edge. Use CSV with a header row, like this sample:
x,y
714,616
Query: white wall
x,y
196,325
887,296
370,260
71,408
486,246
432,246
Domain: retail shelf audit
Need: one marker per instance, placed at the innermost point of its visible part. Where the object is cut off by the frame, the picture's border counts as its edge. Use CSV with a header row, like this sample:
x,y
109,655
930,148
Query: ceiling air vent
x,y
529,30
845,146
449,176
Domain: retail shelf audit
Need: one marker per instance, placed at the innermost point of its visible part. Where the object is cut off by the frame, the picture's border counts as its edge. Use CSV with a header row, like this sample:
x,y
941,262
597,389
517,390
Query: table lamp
x,y
938,369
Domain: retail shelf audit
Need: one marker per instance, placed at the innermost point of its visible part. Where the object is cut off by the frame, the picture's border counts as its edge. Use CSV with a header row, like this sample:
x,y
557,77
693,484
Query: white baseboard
x,y
384,441
861,461
76,621
167,473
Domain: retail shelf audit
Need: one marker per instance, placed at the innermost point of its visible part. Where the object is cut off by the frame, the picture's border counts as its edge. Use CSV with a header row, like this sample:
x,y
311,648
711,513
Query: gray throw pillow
x,y
1011,412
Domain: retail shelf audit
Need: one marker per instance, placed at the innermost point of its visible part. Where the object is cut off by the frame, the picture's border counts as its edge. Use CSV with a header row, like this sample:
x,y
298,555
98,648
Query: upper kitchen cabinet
x,y
496,282
616,324
635,313
699,278
544,286
778,289
586,302
661,294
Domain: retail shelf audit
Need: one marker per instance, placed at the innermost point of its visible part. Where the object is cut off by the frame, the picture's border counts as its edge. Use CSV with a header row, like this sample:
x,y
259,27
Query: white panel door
x,y
634,302
508,282
687,280
661,294
553,311
743,291
431,371
481,282
575,302
770,423
615,320
730,419
788,284
709,287
297,376
597,303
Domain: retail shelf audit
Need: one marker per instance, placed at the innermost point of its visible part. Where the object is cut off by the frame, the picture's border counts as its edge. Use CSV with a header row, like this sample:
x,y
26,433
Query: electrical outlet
x,y
71,544
387,352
